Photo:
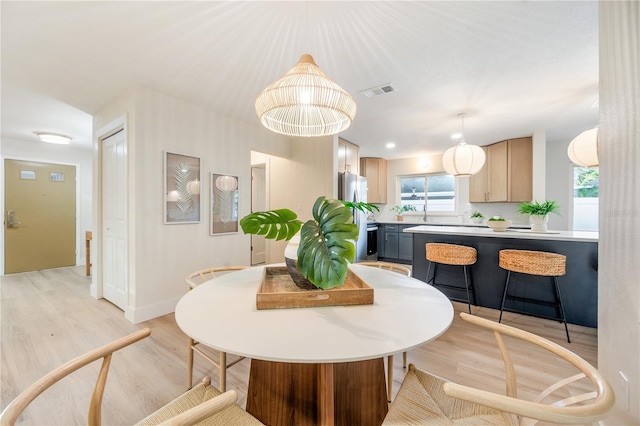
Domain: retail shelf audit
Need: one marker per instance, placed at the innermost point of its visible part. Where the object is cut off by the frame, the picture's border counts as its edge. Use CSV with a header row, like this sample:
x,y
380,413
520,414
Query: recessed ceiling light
x,y
391,145
456,136
54,138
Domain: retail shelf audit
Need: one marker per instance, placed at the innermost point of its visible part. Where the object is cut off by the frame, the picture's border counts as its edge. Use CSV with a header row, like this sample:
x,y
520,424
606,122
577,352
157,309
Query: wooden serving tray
x,y
278,291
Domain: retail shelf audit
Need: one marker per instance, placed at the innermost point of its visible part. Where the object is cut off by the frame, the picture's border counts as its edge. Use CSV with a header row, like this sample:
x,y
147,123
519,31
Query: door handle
x,y
11,222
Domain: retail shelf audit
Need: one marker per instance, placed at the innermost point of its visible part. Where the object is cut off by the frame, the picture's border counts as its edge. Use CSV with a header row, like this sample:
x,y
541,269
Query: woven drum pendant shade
x,y
305,103
463,160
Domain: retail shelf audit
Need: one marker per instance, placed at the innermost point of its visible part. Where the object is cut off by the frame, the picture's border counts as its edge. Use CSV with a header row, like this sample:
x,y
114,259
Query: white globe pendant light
x,y
583,149
463,159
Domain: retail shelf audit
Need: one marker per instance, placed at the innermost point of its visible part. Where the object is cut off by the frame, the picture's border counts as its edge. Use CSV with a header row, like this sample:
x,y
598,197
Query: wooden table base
x,y
292,394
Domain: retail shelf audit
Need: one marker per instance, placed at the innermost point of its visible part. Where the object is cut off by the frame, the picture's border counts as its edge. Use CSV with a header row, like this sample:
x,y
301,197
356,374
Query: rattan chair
x,y
194,279
404,271
203,403
395,267
534,263
457,255
425,399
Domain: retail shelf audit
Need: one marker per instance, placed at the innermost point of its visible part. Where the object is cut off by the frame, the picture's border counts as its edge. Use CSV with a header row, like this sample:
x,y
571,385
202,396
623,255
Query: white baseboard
x,y
146,313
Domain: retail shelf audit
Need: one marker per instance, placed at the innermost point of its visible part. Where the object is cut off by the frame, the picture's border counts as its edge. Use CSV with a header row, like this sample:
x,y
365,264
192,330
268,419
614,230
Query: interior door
x,y
114,220
40,216
258,204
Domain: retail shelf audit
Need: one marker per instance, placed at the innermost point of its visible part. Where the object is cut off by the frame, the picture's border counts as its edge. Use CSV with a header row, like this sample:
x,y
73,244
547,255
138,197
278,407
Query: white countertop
x,y
587,236
461,224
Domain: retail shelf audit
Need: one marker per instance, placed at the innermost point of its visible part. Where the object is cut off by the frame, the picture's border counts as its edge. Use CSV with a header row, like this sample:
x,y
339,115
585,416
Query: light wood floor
x,y
48,317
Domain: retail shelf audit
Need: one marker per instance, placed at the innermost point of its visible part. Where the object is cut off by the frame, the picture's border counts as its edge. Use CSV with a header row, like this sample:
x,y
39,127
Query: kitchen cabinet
x,y
389,241
507,175
405,246
393,244
348,157
375,170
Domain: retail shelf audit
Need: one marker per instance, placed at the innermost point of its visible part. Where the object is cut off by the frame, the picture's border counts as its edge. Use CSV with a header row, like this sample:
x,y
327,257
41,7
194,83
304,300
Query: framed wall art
x,y
181,189
224,204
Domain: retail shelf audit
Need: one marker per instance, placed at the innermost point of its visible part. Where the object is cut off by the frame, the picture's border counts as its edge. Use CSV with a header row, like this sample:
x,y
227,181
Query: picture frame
x,y
182,183
224,204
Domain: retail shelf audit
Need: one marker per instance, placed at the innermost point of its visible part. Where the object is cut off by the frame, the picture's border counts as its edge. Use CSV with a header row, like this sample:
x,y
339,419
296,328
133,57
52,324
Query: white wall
x,y
619,245
559,184
160,256
296,182
539,167
60,154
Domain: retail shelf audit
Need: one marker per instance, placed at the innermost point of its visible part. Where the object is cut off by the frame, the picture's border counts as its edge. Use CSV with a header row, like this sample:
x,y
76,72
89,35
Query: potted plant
x,y
476,217
498,223
326,242
399,209
538,213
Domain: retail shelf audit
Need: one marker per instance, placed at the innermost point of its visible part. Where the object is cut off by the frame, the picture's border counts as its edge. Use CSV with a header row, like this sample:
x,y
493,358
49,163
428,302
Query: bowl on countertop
x,y
498,225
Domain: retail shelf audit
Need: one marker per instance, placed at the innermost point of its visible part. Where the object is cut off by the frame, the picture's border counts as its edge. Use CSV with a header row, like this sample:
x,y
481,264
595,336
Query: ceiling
x,y
514,67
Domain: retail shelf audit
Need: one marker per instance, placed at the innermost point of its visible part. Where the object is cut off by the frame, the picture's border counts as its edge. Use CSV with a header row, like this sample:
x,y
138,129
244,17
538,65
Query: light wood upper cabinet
x,y
375,170
479,183
348,157
507,175
520,169
497,172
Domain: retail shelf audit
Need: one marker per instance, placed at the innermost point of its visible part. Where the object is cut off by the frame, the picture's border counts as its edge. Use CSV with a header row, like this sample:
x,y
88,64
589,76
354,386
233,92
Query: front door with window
x,y
40,216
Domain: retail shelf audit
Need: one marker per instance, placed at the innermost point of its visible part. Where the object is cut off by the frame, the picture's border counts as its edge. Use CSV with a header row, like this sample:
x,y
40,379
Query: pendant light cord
x,y
462,139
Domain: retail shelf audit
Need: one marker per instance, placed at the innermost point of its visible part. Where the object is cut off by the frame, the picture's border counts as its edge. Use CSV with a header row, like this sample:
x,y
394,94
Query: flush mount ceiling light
x,y
583,149
305,102
54,138
463,159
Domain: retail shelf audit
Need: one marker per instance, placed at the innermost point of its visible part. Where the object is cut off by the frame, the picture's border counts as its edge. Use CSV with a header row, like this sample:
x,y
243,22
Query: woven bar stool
x,y
535,263
452,254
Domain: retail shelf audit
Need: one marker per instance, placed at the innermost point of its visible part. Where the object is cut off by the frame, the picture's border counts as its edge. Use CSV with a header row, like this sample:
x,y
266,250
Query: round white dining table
x,y
406,313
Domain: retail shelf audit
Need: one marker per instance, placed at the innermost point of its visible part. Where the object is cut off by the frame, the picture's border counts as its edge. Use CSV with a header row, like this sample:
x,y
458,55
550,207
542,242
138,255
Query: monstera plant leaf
x,y
325,247
281,224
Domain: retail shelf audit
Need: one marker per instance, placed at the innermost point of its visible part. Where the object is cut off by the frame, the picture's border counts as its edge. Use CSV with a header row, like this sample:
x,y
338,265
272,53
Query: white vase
x,y
539,223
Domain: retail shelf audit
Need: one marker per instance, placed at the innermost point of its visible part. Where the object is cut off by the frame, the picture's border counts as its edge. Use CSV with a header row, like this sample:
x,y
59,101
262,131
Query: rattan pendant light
x,y
463,159
305,102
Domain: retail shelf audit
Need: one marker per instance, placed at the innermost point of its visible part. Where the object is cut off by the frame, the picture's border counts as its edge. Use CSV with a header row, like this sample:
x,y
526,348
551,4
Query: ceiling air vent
x,y
380,90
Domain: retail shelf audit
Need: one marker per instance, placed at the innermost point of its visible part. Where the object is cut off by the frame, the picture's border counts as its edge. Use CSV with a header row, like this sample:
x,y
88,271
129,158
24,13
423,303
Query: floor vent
x,y
379,90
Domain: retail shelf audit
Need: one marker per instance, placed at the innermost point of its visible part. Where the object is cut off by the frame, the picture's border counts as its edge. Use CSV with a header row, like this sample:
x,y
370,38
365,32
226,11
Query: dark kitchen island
x,y
579,287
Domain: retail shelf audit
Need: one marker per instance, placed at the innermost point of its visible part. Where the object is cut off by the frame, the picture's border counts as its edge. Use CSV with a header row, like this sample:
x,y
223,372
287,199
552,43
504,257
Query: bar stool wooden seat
x,y
534,263
452,254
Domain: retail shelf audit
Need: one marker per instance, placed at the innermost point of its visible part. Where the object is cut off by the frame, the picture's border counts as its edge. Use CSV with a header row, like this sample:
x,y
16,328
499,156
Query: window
x,y
586,183
440,194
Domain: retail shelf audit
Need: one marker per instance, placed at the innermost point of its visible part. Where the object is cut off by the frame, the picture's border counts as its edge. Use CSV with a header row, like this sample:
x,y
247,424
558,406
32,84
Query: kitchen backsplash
x,y
506,210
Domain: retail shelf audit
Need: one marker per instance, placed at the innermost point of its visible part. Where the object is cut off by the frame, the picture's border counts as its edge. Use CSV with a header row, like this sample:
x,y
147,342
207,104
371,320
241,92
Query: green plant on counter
x,y
404,208
535,208
326,241
476,214
497,219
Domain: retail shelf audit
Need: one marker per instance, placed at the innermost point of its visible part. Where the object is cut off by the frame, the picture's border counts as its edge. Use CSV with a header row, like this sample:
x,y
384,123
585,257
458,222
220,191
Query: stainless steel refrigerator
x,y
352,187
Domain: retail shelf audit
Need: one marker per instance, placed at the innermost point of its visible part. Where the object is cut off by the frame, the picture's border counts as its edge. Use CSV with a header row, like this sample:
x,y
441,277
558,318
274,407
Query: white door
x,y
114,220
258,204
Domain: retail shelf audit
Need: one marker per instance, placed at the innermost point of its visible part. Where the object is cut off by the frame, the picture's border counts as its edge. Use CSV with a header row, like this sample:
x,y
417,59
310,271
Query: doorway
x,y
258,204
40,216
